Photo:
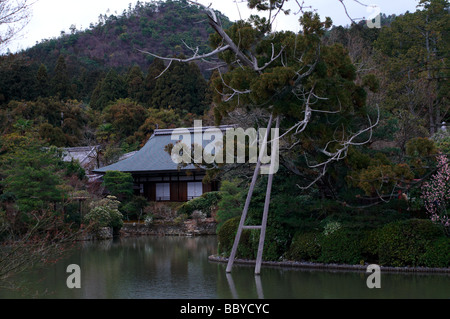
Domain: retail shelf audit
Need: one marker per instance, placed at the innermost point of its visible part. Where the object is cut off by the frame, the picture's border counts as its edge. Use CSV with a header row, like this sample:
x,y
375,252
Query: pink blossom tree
x,y
436,193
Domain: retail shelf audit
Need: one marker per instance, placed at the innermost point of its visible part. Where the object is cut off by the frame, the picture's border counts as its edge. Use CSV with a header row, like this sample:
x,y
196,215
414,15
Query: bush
x,y
437,254
133,209
227,234
403,243
231,203
206,203
304,247
341,246
104,213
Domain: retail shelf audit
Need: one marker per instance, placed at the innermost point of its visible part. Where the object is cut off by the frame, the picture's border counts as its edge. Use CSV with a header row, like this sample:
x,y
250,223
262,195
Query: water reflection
x,y
178,267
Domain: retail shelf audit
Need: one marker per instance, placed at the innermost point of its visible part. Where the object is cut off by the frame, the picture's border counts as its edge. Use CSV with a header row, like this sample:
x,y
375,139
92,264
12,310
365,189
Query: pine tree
x,y
182,87
109,89
42,81
60,81
154,71
135,83
32,174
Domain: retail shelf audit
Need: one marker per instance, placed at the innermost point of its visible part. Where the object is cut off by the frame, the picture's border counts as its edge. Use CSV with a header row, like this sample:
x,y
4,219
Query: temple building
x,y
157,177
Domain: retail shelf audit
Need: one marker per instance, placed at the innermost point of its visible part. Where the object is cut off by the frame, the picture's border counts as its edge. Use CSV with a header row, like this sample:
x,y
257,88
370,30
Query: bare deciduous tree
x,y
14,16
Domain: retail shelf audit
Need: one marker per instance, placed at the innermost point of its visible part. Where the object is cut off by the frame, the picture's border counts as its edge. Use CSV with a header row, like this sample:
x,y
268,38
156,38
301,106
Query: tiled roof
x,y
84,154
153,157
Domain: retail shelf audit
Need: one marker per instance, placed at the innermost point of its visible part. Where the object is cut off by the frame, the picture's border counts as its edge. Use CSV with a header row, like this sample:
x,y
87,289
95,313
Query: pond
x,y
178,268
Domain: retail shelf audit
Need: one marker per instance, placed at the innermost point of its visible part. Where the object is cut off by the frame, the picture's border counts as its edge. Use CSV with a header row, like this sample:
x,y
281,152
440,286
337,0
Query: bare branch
x,y
14,16
341,153
191,59
235,92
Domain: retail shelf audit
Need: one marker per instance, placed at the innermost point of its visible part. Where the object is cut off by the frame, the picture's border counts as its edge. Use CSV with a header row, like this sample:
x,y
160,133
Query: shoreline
x,y
341,267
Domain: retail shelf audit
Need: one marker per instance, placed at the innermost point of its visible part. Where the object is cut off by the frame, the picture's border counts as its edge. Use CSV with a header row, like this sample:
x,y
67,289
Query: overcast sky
x,y
50,17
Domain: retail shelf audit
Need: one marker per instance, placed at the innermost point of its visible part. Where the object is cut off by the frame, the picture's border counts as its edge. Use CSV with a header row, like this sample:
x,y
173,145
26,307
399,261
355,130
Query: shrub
x,y
206,203
369,246
148,220
331,227
180,219
161,210
134,209
437,254
104,213
403,243
231,202
226,236
341,246
304,247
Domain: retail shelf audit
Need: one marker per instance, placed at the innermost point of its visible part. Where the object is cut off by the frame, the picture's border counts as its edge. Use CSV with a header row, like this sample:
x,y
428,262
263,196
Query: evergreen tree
x,y
31,174
60,81
42,81
134,83
154,70
182,87
111,88
415,55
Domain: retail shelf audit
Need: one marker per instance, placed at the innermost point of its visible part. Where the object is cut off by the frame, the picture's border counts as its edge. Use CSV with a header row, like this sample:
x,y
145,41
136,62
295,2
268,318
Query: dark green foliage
x,y
207,203
154,70
135,83
42,81
32,175
231,202
60,85
341,246
437,254
125,117
304,247
119,184
52,135
133,209
403,243
182,87
226,234
108,90
247,244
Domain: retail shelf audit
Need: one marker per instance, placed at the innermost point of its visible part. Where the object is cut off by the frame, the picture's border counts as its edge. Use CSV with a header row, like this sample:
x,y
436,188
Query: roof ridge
x,y
191,129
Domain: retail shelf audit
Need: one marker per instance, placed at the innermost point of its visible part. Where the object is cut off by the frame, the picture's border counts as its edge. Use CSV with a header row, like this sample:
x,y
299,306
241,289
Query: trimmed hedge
x,y
227,234
342,247
437,254
413,242
304,246
404,243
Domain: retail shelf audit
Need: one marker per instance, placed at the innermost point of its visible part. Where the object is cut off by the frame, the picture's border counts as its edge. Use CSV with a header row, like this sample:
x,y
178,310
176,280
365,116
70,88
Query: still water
x,y
178,268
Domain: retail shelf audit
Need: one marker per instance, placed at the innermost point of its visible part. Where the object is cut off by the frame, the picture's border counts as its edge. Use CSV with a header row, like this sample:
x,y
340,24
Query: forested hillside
x,y
67,87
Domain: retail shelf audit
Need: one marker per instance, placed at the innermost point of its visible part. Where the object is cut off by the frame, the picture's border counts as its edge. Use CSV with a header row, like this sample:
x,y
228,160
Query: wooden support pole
x,y
248,200
262,235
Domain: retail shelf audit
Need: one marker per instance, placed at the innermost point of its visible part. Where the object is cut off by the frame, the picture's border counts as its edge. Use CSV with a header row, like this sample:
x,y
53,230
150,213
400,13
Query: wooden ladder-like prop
x,y
262,227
